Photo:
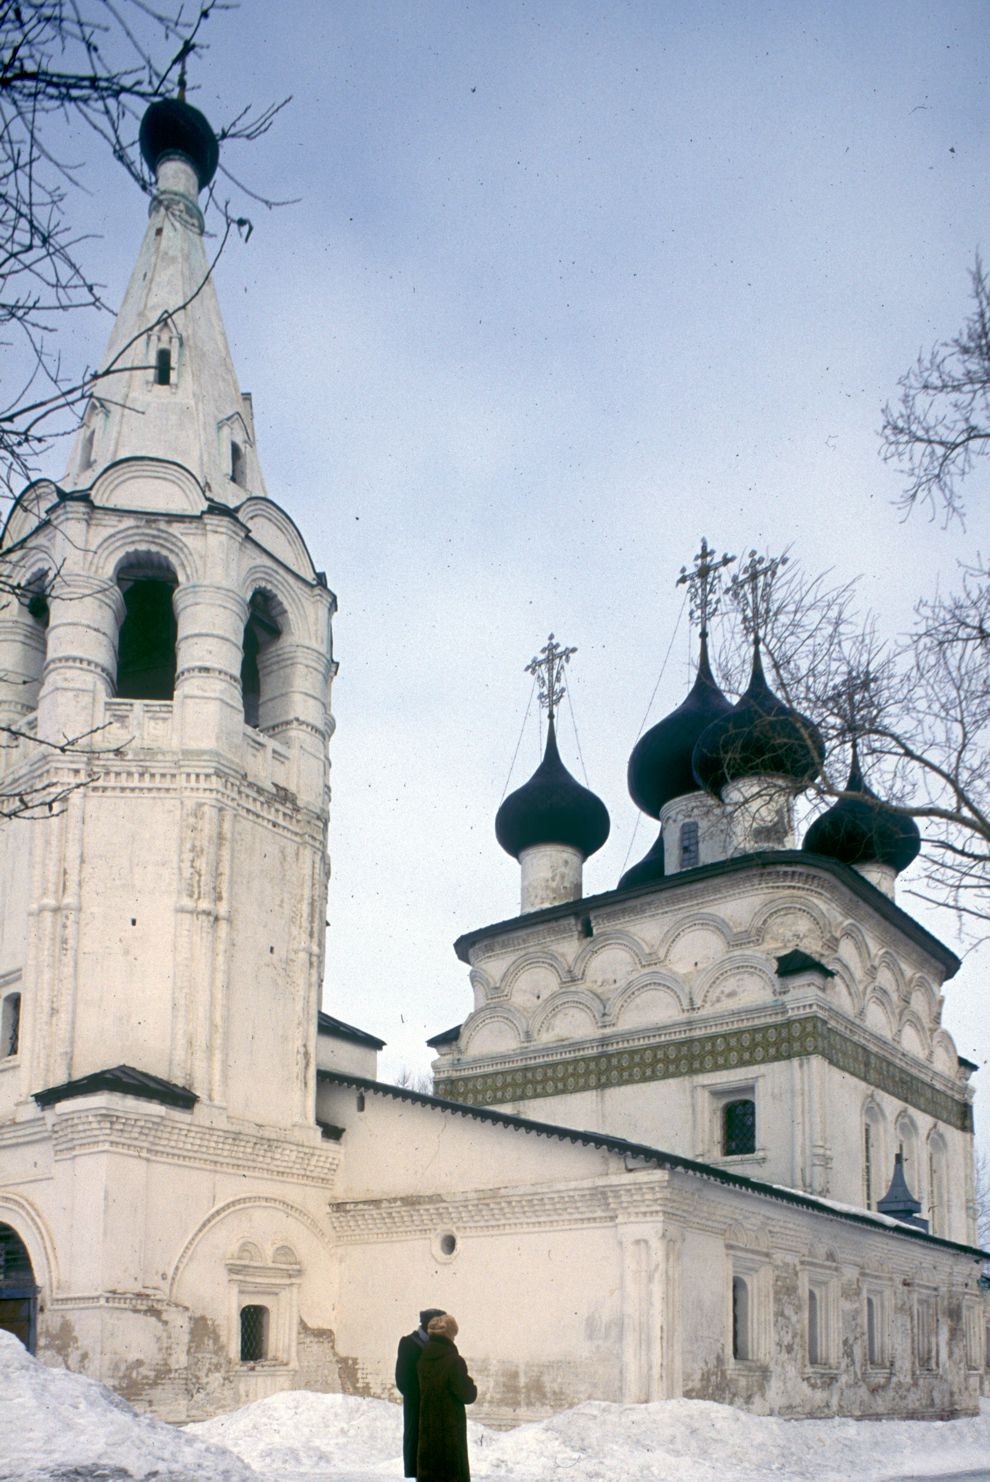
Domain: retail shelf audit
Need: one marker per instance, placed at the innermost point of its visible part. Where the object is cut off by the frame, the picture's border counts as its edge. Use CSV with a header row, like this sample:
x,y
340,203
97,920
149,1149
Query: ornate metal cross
x,y
548,667
752,590
704,584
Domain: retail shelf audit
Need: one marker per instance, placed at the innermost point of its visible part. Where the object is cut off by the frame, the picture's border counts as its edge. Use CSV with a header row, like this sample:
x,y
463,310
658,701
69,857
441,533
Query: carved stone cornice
x,y
480,1212
190,1144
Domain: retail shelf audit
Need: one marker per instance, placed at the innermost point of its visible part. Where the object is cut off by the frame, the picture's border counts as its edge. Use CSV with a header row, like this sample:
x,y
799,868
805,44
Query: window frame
x,y
752,1268
878,1355
820,1298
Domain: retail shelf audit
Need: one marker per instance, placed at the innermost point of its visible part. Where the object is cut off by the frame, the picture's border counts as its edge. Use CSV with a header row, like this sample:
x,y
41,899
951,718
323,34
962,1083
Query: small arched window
x,y
872,1332
874,1157
938,1186
254,1334
163,366
741,1344
10,1025
146,644
738,1127
814,1328
238,465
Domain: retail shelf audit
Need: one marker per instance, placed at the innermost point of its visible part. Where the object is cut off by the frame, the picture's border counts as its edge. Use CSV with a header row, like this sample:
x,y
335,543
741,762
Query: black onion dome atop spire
x,y
760,737
649,869
552,808
171,126
660,764
862,829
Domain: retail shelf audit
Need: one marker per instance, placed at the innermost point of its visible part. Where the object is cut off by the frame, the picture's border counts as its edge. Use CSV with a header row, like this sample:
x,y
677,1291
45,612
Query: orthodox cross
x,y
752,591
704,584
548,667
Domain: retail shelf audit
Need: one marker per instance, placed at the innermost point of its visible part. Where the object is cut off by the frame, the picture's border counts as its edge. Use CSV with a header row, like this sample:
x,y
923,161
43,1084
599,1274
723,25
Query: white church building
x,y
703,1135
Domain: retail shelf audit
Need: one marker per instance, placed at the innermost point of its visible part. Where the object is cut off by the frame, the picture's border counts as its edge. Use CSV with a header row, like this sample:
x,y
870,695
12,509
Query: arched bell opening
x,y
147,639
18,1290
266,622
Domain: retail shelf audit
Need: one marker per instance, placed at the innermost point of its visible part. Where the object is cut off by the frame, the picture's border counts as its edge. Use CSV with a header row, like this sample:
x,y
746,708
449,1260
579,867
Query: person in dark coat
x,y
445,1387
407,1383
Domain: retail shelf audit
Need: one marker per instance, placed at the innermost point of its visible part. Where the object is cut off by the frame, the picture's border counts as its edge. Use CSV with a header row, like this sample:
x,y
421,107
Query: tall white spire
x,y
168,388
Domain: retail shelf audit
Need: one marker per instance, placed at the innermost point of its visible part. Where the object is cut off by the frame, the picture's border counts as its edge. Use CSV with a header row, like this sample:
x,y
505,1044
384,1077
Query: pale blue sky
x,y
566,286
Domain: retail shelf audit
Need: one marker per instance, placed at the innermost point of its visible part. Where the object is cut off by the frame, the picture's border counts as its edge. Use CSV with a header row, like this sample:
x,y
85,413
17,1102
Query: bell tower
x,y
167,677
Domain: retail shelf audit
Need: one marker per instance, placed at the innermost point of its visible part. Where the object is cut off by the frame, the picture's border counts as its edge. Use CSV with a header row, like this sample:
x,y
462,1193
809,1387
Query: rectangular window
x,y
689,845
163,366
10,1025
738,1127
925,1330
741,1345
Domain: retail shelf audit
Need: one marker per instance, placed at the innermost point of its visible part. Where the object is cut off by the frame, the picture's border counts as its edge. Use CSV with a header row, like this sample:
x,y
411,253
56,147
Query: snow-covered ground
x,y
59,1427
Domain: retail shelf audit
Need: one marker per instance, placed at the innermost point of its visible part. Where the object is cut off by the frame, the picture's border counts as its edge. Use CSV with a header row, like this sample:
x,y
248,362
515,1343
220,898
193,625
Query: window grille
x,y
254,1334
739,1127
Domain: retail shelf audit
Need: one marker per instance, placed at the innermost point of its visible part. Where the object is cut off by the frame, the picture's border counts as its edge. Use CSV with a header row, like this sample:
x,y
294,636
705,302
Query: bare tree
x,y
941,425
981,1196
71,72
917,708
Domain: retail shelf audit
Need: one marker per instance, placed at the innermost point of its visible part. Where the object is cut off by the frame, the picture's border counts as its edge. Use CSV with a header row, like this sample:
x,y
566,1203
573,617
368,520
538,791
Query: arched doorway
x,y
18,1292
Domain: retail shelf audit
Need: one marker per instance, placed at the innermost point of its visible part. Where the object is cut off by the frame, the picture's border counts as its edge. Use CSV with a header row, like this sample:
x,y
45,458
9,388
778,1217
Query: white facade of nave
x,y
206,1195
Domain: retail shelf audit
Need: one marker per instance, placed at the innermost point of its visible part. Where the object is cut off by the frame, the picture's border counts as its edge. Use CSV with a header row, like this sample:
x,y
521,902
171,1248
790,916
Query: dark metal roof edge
x,y
446,1036
329,1024
147,1087
620,1146
765,859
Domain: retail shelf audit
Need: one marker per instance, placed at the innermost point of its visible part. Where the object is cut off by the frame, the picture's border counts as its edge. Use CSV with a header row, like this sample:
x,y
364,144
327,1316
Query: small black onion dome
x,y
552,808
172,127
760,737
863,829
649,869
660,764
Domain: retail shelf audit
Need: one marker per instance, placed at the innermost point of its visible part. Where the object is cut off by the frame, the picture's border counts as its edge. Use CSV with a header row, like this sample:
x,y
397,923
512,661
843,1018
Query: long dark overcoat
x,y
407,1383
445,1387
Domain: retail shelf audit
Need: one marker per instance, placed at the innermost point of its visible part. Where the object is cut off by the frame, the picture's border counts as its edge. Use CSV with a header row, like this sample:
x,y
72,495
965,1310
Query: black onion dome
x,y
660,764
172,127
552,808
863,829
649,869
760,737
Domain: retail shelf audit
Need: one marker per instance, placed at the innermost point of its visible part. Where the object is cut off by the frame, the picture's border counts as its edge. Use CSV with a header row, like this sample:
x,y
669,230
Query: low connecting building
x,y
661,1157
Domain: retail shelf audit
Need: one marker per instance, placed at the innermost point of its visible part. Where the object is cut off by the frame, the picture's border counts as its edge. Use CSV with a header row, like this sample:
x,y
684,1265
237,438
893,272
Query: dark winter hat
x,y
427,1313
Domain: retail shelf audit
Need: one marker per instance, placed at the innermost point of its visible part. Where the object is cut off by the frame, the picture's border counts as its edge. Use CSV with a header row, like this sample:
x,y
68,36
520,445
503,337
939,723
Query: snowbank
x,y
346,1439
59,1427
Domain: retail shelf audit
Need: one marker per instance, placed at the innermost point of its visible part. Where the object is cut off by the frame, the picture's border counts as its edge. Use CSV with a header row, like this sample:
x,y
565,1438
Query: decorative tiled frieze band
x,y
726,1050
